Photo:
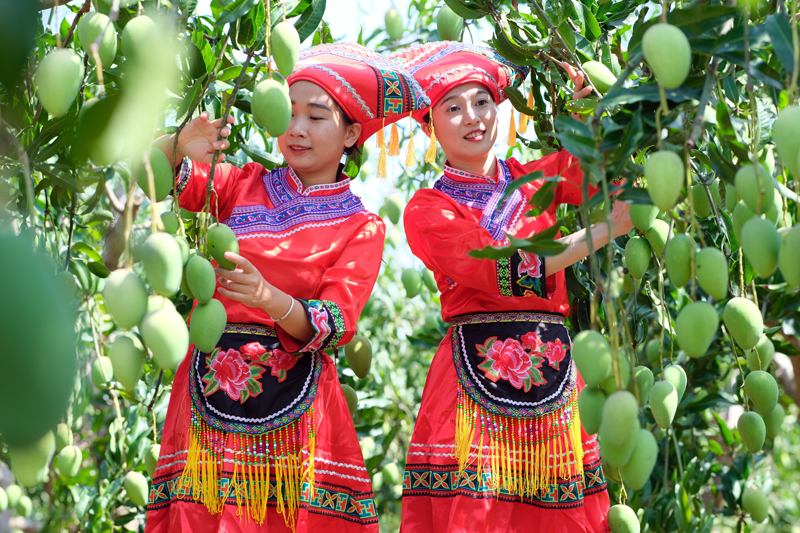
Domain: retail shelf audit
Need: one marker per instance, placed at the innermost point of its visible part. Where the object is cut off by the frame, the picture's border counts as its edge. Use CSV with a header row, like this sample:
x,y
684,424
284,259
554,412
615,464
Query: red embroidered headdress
x,y
440,66
370,88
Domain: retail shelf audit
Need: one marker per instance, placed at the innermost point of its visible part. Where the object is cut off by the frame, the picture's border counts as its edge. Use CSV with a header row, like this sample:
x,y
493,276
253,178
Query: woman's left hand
x,y
245,284
577,79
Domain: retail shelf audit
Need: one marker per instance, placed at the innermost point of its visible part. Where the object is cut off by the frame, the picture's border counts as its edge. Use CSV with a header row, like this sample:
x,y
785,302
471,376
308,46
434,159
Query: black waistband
x,y
509,316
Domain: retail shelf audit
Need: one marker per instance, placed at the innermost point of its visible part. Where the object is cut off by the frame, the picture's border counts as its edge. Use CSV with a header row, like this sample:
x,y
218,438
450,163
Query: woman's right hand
x,y
621,218
197,141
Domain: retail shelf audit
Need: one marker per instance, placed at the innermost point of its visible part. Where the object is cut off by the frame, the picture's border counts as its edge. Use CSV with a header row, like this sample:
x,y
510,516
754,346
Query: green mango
x,y
696,328
68,461
94,136
285,47
774,420
25,507
711,271
394,208
3,500
644,383
748,189
753,431
762,389
620,417
668,53
590,408
68,285
151,459
138,37
741,214
761,355
731,198
358,353
448,24
663,403
611,472
136,488
201,278
164,332
609,386
97,216
652,352
658,236
775,213
272,106
637,471
186,250
600,76
627,283
127,356
102,372
351,398
394,24
761,245
207,325
642,216
678,259
30,462
700,202
786,136
755,503
430,281
162,177
744,322
221,239
618,456
592,355
637,256
185,290
664,173
14,494
63,437
126,298
412,282
789,257
163,263
171,222
676,375
91,26
58,79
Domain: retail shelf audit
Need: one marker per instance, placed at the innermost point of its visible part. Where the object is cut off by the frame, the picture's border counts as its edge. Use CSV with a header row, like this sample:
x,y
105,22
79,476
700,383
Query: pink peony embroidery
x,y
554,352
531,341
253,351
281,362
510,361
531,265
232,373
319,320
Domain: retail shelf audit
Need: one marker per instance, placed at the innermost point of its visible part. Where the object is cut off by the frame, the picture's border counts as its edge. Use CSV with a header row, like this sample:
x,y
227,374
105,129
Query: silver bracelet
x,y
287,312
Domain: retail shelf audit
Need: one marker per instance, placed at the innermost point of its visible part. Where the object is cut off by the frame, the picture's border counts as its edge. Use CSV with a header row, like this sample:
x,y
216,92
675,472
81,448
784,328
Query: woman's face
x,y
318,133
465,121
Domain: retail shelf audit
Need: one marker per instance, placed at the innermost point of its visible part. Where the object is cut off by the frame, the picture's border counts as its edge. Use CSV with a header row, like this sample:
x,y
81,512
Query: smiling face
x,y
465,121
318,133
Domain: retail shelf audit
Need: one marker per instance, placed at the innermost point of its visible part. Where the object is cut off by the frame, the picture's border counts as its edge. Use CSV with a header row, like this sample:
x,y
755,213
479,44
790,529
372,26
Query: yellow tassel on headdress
x,y
512,130
523,118
411,158
394,141
382,156
430,155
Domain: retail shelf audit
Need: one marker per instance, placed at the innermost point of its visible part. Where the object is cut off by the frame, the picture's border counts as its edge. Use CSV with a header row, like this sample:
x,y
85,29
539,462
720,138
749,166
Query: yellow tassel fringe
x,y
430,155
512,130
382,156
278,453
411,157
526,456
394,142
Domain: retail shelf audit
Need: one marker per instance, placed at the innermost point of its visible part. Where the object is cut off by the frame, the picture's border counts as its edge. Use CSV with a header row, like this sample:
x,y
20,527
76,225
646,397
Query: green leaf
x,y
648,92
591,29
98,269
269,161
62,179
715,447
518,101
235,11
310,19
700,18
252,29
727,436
467,9
91,253
524,180
542,199
780,32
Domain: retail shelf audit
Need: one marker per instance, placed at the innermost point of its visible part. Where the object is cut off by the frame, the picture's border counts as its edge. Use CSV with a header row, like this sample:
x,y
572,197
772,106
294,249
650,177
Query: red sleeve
x,y
343,291
564,164
192,181
442,238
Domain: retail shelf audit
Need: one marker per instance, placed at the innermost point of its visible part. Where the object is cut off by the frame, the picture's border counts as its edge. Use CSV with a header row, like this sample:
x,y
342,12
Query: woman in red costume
x,y
258,436
497,445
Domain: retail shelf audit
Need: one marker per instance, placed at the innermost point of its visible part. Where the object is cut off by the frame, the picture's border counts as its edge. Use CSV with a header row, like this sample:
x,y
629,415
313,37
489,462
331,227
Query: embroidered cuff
x,y
328,322
182,175
522,274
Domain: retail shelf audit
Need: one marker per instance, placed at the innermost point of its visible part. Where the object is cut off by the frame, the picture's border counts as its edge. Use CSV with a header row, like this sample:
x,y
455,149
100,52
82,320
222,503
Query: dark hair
x,y
348,150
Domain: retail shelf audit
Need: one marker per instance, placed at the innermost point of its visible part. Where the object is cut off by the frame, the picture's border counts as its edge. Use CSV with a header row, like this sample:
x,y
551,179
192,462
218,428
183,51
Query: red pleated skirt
x,y
340,501
437,500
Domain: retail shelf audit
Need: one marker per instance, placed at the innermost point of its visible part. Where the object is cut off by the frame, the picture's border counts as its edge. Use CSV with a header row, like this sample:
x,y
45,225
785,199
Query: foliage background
x,y
740,79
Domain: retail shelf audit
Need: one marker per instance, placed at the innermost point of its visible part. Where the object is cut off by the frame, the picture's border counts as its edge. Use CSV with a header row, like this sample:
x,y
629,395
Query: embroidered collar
x,y
460,175
341,185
